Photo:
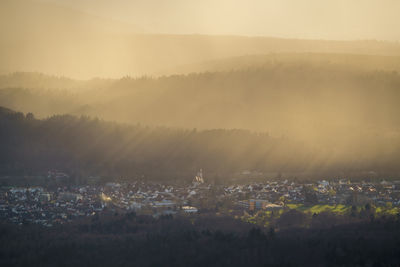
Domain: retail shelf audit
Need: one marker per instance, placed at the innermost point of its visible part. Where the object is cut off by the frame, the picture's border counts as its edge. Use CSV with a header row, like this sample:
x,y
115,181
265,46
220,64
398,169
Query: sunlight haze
x,y
312,19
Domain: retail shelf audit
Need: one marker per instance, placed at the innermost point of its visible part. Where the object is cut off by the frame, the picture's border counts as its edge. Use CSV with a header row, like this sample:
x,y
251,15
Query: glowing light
x,y
105,198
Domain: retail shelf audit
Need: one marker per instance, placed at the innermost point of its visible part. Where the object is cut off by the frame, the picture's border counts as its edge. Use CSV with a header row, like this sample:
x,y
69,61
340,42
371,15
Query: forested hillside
x,y
84,146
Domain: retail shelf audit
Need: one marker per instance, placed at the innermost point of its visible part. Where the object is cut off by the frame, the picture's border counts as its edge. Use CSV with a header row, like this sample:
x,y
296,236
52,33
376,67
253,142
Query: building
x,y
189,209
68,196
198,179
44,197
254,204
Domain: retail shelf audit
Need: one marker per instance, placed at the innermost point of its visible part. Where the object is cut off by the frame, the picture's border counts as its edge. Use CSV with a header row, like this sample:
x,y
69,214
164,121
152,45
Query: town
x,y
48,207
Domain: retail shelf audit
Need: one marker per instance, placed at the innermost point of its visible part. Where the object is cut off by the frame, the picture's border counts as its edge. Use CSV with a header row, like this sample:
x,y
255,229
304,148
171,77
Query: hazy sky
x,y
320,19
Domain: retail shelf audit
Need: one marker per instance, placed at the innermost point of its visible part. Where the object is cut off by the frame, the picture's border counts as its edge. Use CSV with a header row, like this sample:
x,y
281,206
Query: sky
x,y
311,19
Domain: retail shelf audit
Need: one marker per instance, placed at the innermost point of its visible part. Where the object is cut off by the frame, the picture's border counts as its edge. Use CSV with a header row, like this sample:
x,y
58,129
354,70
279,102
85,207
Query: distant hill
x,y
43,37
358,61
241,63
281,96
36,80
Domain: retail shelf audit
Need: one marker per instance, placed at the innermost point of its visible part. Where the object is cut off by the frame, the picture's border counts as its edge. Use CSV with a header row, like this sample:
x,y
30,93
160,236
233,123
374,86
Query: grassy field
x,y
266,217
388,210
342,209
337,209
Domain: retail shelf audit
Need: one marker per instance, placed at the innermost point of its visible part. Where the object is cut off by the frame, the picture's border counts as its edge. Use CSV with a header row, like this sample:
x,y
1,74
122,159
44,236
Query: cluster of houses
x,y
275,194
37,205
63,204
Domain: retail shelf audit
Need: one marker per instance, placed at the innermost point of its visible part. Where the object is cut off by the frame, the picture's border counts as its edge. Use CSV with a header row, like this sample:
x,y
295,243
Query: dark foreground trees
x,y
131,240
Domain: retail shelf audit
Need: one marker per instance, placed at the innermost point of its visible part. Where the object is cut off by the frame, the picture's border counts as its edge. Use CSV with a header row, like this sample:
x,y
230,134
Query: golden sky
x,y
314,19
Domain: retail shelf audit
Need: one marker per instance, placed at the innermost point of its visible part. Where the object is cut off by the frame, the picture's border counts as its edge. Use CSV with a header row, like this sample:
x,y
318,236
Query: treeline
x,y
131,240
83,146
355,61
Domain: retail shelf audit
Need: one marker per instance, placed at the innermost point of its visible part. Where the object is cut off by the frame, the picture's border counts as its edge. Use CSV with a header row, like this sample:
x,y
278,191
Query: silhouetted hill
x,y
36,80
358,61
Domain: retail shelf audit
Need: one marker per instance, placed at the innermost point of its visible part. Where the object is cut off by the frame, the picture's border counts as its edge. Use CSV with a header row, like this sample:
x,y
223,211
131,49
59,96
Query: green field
x,y
342,209
337,209
265,217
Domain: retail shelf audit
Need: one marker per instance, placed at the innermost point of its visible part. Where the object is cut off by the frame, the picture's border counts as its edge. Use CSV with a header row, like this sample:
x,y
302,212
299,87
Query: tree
x,y
30,116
